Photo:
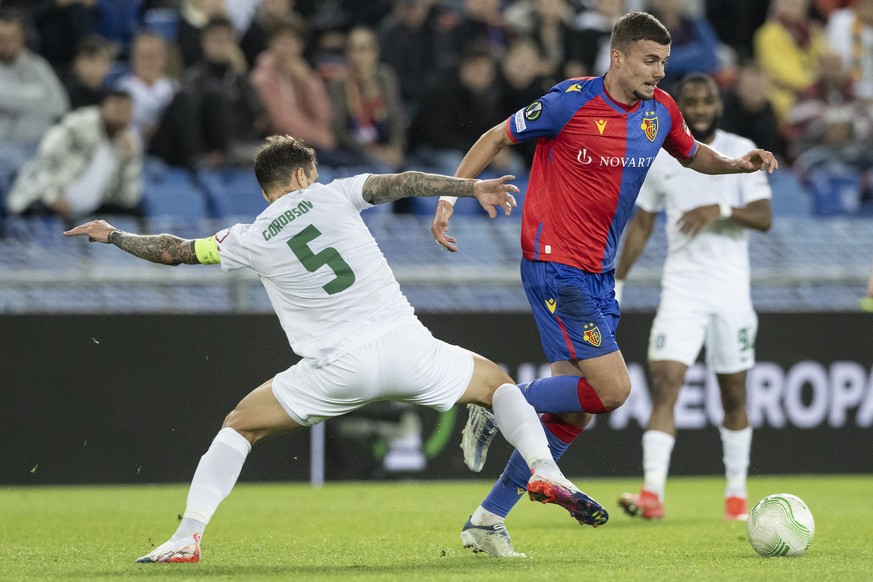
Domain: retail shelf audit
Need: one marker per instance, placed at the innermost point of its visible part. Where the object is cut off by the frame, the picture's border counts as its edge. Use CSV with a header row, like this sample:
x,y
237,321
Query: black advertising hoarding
x,y
138,398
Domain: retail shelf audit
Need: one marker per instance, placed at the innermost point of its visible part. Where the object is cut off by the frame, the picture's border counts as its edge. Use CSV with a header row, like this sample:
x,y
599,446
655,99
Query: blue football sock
x,y
512,484
556,394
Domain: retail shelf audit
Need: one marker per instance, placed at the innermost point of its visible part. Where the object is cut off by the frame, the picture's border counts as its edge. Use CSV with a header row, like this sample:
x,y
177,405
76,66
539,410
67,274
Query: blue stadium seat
x,y
162,21
119,21
172,192
232,192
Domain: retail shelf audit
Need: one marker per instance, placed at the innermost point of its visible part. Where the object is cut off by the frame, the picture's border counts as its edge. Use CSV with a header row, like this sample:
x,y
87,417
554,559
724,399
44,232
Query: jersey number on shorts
x,y
299,244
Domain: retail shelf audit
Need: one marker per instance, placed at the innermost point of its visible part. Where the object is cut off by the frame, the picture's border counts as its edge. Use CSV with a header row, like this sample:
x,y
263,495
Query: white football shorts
x,y
406,365
729,337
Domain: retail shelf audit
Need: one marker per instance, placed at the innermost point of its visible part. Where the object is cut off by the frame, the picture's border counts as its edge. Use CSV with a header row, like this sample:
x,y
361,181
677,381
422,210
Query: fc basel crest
x,y
533,111
591,334
650,127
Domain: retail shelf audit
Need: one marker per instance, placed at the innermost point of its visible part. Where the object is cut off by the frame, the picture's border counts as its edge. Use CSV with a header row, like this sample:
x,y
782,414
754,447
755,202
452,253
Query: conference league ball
x,y
780,525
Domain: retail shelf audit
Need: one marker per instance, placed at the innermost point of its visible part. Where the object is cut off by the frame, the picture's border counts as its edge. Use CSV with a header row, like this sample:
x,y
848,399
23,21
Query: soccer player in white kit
x,y
705,294
344,314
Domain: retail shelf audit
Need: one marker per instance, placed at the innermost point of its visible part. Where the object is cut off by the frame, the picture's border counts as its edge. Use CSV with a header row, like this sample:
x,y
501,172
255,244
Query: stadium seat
x,y
232,192
162,21
172,192
119,21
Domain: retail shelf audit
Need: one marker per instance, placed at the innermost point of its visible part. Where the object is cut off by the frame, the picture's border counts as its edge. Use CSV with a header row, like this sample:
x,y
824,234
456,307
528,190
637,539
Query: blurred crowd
x,y
91,90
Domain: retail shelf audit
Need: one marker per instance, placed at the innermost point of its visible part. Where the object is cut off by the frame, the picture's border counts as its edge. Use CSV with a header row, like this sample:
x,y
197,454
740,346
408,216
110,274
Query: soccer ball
x,y
780,525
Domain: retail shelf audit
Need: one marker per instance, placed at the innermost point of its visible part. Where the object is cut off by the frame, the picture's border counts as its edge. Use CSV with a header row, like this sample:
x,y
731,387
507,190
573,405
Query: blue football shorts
x,y
575,311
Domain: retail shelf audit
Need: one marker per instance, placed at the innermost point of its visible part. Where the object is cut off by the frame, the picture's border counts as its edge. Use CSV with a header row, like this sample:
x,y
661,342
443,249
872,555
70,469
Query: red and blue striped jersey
x,y
592,156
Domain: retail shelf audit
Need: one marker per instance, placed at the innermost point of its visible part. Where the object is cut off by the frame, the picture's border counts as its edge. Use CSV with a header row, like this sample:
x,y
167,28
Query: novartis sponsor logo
x,y
585,158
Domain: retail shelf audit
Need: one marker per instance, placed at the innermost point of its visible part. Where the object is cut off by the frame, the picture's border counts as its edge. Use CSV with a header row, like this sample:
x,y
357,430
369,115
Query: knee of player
x,y
236,421
615,394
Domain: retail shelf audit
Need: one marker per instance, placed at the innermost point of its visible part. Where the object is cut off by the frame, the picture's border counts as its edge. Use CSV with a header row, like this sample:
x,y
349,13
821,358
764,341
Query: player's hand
x,y
440,225
758,160
496,193
693,221
96,231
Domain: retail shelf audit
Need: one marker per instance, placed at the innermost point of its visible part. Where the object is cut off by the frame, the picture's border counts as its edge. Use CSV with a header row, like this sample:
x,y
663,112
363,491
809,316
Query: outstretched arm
x,y
708,161
157,248
491,194
477,159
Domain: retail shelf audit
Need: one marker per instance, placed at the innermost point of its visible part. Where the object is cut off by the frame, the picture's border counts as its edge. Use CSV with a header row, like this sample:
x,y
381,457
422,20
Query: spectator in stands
x,y
328,53
193,16
735,22
523,74
595,31
230,116
523,81
695,45
748,112
32,97
482,24
831,134
120,21
162,114
85,81
788,48
62,24
850,35
455,114
410,42
828,116
295,97
269,14
550,24
90,162
368,113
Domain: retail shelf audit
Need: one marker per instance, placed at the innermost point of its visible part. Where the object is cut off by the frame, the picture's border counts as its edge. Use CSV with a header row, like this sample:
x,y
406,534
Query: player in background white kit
x,y
344,314
705,294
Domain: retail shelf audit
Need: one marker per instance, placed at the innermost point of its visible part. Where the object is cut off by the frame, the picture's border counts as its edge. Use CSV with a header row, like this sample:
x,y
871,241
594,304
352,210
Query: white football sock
x,y
657,449
484,517
736,445
521,427
216,474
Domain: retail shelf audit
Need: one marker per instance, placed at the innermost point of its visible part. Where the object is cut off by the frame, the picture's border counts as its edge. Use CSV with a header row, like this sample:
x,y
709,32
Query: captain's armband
x,y
206,250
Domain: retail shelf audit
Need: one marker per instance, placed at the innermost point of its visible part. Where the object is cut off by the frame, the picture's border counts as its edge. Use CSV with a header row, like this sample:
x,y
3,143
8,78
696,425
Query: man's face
x,y
11,41
149,58
116,113
701,107
218,44
641,68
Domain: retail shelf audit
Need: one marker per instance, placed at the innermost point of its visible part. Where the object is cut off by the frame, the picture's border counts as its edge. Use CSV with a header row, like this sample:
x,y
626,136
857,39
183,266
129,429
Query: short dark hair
x,y
115,93
11,15
696,78
289,26
278,157
93,46
637,26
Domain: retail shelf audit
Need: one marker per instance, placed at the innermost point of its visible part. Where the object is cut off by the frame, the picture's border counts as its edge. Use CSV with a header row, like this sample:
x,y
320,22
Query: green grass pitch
x,y
410,531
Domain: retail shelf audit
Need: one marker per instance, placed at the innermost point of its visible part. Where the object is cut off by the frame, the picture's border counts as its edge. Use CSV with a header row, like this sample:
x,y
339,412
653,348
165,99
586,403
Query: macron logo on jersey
x,y
583,157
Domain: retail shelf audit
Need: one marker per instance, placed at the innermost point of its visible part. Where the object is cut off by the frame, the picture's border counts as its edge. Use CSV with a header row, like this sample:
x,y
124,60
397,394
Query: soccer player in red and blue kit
x,y
597,138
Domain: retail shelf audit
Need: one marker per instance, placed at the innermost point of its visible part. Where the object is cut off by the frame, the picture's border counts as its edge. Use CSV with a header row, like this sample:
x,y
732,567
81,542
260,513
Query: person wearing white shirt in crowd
x,y
705,294
849,33
90,162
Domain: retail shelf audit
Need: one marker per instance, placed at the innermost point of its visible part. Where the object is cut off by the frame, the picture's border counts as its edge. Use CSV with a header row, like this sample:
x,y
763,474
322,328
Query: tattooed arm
x,y
379,189
157,248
